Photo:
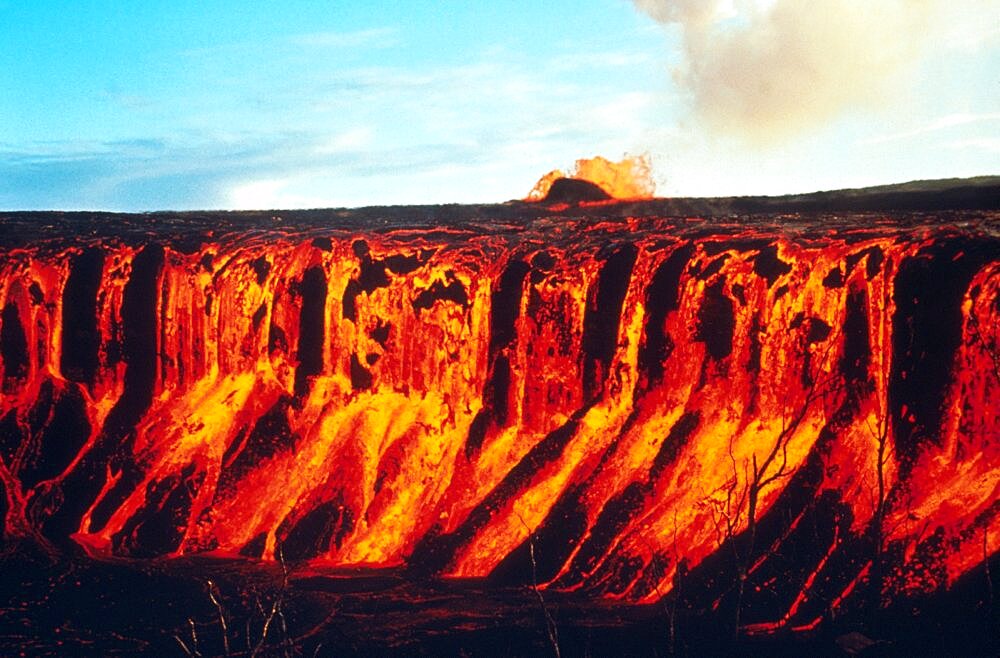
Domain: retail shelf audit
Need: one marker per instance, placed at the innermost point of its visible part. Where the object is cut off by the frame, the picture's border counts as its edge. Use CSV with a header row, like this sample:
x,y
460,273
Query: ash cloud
x,y
770,69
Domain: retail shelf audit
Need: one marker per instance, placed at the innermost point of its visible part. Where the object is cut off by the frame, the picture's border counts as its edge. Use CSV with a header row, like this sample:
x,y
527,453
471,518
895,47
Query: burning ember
x,y
630,178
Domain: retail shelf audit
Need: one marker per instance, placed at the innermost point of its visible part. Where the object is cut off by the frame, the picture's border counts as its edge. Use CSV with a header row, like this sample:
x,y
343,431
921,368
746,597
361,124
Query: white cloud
x,y
352,139
379,37
938,124
768,71
256,195
988,144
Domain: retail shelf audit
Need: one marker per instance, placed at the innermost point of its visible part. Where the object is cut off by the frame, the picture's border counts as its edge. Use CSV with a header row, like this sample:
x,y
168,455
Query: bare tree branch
x,y
222,617
550,623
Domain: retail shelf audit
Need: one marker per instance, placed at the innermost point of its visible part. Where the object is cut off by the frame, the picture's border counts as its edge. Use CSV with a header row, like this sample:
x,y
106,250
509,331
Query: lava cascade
x,y
624,399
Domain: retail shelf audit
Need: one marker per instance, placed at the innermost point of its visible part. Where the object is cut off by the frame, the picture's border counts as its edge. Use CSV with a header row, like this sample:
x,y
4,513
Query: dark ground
x,y
85,607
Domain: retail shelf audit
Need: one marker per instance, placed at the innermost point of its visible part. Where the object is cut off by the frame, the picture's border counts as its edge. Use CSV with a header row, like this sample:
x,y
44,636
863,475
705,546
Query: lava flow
x,y
613,406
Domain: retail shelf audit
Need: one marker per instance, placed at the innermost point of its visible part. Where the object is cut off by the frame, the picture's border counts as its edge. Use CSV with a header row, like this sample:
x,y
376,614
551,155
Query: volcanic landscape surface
x,y
435,429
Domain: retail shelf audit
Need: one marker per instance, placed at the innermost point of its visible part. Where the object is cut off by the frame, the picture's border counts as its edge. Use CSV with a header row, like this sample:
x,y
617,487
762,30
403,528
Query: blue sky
x,y
185,105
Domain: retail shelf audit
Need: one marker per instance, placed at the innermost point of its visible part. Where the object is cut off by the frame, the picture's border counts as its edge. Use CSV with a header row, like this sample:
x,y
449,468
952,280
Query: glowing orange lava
x,y
627,396
629,178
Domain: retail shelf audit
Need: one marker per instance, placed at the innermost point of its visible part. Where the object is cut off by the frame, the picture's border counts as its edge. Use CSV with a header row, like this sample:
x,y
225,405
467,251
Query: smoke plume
x,y
767,69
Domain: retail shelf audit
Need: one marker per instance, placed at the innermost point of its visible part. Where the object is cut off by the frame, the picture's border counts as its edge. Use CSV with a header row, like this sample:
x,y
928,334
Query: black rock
x,y
574,190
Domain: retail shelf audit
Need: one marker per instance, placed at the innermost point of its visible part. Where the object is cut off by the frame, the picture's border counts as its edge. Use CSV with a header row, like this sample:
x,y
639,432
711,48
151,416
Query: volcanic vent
x,y
597,179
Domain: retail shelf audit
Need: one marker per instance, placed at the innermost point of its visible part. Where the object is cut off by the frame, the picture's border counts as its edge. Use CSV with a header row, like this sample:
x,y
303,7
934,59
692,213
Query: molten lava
x,y
630,178
619,397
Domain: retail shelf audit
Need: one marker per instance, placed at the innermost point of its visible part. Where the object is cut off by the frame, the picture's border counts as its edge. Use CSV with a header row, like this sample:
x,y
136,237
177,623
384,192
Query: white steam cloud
x,y
768,69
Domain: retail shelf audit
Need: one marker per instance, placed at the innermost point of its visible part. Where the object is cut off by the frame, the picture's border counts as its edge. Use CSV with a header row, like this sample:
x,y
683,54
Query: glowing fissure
x,y
628,396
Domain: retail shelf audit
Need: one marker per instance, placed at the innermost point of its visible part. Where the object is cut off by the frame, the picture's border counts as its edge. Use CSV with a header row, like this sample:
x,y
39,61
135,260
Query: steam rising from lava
x,y
770,69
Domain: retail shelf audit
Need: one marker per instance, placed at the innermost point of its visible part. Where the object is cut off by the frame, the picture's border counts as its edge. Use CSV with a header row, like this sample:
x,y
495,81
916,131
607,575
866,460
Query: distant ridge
x,y
978,193
928,185
981,193
956,193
